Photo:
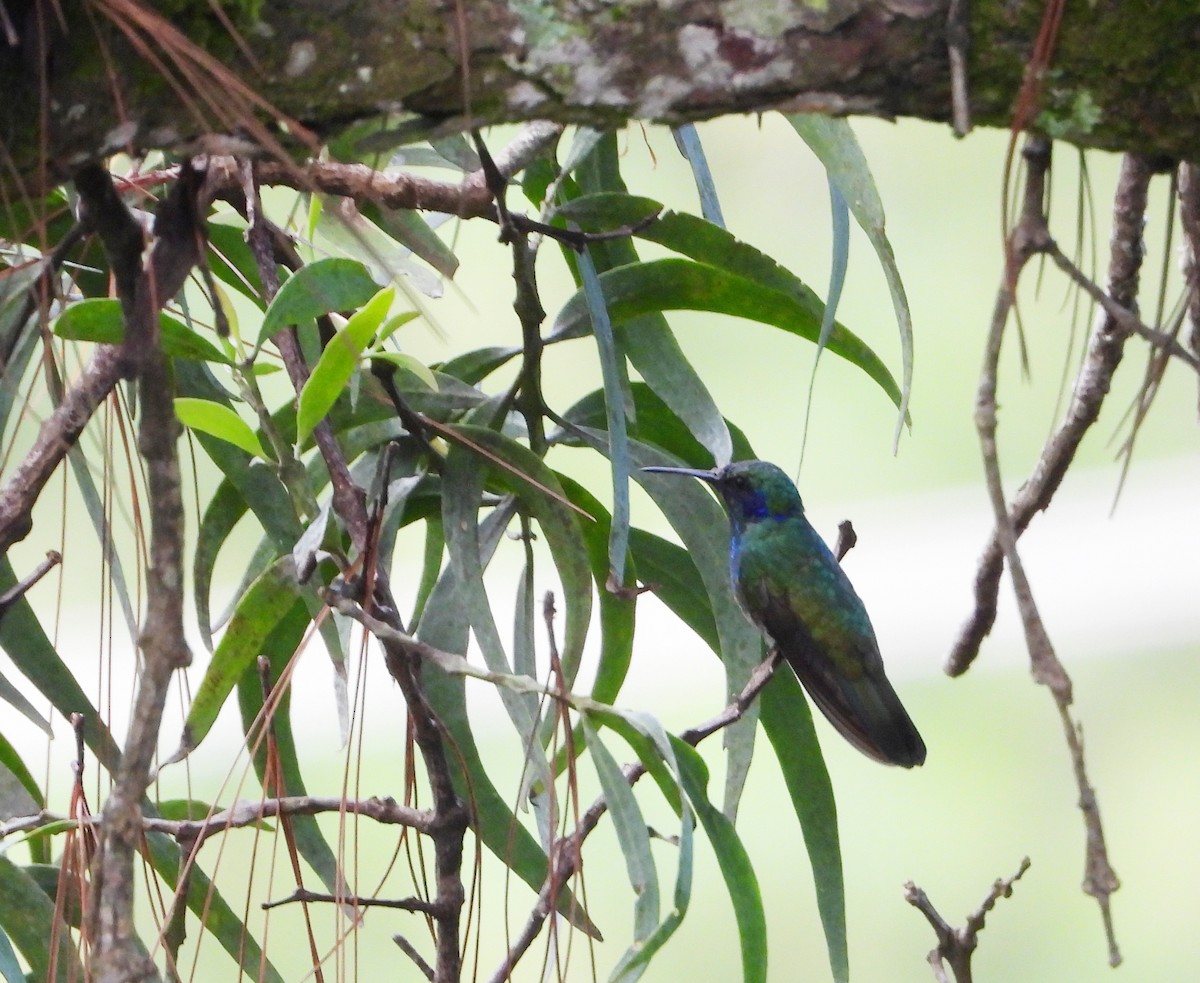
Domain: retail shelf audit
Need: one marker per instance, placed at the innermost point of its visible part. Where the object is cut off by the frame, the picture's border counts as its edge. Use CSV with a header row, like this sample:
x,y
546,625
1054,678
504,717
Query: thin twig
x,y
957,945
248,812
22,587
418,960
305,896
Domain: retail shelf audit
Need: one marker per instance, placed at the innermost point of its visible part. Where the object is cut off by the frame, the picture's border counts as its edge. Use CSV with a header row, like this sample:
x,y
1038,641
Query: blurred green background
x,y
1117,589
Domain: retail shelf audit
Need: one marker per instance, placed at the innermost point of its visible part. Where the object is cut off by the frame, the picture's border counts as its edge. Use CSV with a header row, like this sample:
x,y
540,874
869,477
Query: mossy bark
x,y
1123,75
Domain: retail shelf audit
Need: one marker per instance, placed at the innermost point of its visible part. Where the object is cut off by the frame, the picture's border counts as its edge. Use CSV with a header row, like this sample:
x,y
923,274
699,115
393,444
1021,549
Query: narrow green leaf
x,y
787,720
687,139
27,917
16,699
224,510
444,625
475,366
230,257
524,619
10,969
540,493
632,835
218,421
683,284
11,761
318,288
462,489
279,647
263,606
618,610
26,644
338,362
615,385
840,223
648,341
413,230
100,320
836,146
97,513
734,863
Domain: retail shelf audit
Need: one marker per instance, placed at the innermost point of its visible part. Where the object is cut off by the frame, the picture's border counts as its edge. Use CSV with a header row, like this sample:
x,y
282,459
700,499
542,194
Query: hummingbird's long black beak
x,y
709,476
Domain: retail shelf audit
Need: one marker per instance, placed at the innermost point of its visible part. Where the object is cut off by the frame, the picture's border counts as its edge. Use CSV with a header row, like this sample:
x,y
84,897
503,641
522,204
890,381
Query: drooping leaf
x,y
16,699
615,391
10,969
687,139
734,862
648,341
840,223
683,284
633,835
537,486
94,505
462,489
617,609
787,720
834,143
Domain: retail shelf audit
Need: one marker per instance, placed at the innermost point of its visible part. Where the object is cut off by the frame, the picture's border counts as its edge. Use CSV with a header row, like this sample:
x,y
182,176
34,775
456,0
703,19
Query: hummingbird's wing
x,y
811,612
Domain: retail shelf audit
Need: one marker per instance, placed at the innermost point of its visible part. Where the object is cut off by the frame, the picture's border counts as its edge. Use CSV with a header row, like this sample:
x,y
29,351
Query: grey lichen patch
x,y
659,96
525,97
723,59
578,72
302,55
773,18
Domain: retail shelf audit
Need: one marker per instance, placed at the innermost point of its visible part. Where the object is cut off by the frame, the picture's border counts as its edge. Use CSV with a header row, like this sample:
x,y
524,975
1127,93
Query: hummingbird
x,y
791,587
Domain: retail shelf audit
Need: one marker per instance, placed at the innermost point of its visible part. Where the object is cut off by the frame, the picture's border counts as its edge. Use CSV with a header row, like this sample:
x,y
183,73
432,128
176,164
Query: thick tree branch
x,y
143,291
667,62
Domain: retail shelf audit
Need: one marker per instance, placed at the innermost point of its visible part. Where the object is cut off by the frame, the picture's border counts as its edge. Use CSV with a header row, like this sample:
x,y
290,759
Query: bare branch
x,y
956,945
1092,385
144,289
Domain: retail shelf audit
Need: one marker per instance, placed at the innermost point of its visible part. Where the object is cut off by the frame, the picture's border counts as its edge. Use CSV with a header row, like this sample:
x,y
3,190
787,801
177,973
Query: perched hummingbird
x,y
789,584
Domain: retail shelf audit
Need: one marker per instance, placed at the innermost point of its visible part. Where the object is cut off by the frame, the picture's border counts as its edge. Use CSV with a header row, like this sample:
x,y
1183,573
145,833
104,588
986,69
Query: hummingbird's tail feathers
x,y
869,714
